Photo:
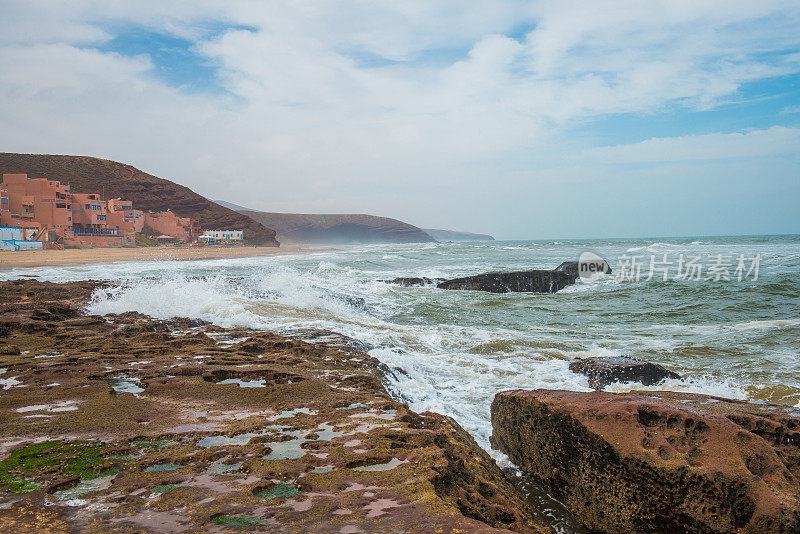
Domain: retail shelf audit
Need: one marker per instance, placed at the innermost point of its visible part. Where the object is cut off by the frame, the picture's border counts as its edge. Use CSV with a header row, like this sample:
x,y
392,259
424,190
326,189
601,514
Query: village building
x,y
36,203
48,211
14,238
211,237
121,215
167,223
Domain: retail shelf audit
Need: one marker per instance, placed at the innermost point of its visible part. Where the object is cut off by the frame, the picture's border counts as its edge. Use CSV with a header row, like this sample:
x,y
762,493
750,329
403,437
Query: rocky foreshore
x,y
657,462
125,423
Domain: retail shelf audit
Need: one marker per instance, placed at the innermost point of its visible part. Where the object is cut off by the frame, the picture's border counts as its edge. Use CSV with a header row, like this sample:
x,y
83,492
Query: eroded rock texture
x,y
657,462
123,423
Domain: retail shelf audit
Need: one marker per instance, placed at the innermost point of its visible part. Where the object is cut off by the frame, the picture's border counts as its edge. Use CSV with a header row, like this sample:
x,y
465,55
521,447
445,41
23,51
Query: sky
x,y
525,120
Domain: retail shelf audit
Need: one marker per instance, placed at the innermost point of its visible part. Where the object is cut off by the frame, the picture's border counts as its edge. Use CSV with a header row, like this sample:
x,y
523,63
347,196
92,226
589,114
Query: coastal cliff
x,y
338,229
147,192
129,424
452,235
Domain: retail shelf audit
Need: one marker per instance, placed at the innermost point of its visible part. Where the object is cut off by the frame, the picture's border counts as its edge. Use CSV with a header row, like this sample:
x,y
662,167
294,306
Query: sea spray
x,y
459,348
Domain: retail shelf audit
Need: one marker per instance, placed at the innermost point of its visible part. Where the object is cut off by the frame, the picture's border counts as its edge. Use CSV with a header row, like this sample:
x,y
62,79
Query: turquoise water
x,y
731,338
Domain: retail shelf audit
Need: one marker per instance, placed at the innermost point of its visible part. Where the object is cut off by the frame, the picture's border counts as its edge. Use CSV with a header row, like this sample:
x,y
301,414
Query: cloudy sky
x,y
522,119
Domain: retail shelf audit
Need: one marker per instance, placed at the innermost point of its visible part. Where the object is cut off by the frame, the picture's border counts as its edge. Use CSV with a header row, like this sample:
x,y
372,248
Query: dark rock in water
x,y
657,462
606,370
569,267
356,302
535,281
409,281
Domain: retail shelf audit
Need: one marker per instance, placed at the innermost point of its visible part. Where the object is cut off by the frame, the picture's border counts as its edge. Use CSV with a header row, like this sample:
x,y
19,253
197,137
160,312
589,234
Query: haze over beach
x,y
400,267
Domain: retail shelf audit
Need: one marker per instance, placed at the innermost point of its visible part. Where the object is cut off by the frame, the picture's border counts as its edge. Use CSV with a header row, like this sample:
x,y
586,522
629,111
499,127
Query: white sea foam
x,y
702,385
457,349
776,323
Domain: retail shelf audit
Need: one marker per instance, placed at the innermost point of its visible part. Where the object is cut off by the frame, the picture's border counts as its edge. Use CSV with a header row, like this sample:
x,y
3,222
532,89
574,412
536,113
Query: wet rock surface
x,y
657,461
606,370
124,423
410,281
533,281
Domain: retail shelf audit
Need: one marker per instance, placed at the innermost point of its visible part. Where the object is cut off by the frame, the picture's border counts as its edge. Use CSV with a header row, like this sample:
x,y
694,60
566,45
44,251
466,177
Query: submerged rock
x,y
606,370
657,462
534,281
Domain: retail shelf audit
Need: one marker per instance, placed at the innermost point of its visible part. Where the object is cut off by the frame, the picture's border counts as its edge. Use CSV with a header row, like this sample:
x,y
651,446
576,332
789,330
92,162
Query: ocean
x,y
730,329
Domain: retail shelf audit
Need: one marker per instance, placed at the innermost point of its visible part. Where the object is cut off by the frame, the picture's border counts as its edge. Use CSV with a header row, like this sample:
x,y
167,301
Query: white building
x,y
14,238
215,236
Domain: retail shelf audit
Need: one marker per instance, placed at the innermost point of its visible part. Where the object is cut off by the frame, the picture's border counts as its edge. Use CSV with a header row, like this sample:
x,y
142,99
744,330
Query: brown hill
x,y
148,193
339,228
451,235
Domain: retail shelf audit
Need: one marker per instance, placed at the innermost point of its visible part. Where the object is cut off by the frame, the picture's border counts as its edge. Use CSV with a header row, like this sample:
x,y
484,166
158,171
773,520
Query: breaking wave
x,y
458,349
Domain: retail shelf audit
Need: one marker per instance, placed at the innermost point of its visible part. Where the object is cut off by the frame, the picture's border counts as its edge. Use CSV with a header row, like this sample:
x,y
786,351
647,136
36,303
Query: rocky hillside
x,y
450,235
148,192
338,228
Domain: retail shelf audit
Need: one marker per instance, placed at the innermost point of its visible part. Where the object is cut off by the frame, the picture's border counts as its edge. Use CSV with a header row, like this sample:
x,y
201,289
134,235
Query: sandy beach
x,y
42,258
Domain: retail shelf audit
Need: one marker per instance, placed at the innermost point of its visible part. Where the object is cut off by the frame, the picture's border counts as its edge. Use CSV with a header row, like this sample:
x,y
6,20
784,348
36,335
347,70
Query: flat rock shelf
x,y
219,429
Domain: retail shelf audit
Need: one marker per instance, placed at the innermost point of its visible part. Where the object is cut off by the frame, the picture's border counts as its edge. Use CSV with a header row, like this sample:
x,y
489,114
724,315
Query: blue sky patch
x,y
757,105
175,59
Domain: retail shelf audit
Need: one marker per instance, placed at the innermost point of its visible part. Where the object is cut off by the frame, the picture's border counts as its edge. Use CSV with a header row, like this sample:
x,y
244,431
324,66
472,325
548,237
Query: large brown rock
x,y
147,192
657,461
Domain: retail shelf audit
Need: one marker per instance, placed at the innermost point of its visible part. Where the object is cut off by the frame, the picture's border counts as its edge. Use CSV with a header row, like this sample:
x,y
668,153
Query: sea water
x,y
732,338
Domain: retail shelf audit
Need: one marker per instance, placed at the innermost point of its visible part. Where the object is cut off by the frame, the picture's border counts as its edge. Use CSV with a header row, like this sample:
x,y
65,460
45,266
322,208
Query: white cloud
x,y
463,96
774,141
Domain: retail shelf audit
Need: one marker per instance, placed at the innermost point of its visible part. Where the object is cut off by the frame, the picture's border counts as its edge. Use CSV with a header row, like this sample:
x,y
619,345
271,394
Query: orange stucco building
x,y
167,223
59,214
122,215
36,203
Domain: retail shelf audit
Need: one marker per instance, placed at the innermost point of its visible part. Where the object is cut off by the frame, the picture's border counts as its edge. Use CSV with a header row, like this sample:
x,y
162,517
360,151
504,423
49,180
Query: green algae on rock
x,y
279,490
236,520
82,459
